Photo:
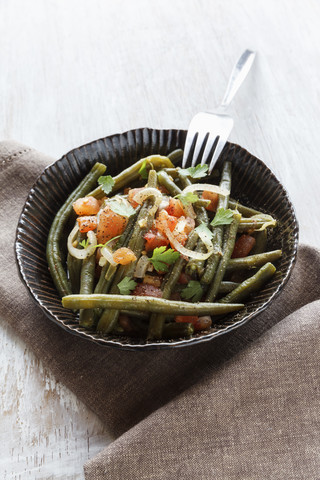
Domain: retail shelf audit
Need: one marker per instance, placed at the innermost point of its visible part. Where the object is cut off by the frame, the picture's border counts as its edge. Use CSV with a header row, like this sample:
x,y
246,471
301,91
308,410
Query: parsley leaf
x,y
222,217
187,197
106,183
121,206
198,171
193,291
126,286
84,243
202,228
161,258
143,170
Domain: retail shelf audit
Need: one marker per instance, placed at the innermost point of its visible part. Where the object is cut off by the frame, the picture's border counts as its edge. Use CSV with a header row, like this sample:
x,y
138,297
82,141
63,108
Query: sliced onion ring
x,y
147,192
206,187
83,252
264,217
186,251
108,255
142,266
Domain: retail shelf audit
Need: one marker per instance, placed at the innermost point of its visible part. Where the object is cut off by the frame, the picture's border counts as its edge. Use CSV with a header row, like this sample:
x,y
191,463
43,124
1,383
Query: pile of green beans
x,y
97,298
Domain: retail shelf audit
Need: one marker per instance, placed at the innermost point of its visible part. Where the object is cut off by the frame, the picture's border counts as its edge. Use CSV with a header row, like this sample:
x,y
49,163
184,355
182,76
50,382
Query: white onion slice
x,y
83,252
206,187
264,217
147,192
186,251
164,202
142,266
102,261
108,255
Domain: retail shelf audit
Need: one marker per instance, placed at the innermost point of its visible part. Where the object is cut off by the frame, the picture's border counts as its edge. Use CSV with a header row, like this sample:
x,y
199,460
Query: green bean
x,y
176,156
245,211
202,202
226,287
53,252
74,269
130,174
227,252
157,320
109,317
253,261
165,180
170,330
250,285
194,266
177,330
261,242
247,225
217,239
147,304
172,172
86,317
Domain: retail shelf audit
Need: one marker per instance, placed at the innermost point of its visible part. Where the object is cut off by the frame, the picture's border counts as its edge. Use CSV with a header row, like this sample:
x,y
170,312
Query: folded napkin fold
x,y
245,405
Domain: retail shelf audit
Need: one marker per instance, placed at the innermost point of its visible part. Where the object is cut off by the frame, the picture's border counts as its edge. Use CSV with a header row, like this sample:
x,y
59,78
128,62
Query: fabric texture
x,y
244,406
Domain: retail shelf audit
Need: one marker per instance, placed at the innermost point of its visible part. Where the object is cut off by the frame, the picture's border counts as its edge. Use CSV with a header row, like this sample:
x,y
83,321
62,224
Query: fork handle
x,y
238,74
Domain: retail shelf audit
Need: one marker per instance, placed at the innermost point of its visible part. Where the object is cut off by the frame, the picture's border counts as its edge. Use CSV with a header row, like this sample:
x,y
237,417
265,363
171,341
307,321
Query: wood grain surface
x,y
76,70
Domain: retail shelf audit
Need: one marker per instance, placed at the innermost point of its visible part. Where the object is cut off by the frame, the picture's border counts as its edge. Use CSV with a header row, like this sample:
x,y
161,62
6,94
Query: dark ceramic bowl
x,y
253,184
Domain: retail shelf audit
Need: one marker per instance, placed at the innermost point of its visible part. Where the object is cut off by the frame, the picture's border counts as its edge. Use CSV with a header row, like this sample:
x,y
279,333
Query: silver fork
x,y
209,131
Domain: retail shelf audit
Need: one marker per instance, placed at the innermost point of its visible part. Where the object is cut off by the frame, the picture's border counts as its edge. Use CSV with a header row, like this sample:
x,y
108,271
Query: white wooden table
x,y
78,70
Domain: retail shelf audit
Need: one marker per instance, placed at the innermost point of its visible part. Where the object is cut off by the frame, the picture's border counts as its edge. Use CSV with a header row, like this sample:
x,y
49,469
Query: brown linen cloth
x,y
227,409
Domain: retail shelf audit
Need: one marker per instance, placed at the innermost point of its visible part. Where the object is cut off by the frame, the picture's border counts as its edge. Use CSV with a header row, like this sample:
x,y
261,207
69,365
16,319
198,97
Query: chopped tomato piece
x,y
186,318
164,220
123,256
184,279
213,197
199,323
110,225
182,229
154,238
86,206
175,208
131,194
243,246
145,290
87,223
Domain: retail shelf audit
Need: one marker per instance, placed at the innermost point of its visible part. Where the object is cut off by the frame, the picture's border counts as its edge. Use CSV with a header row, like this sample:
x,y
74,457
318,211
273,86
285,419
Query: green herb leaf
x,y
202,228
161,258
198,171
84,243
223,217
126,286
143,170
121,206
187,197
193,291
106,183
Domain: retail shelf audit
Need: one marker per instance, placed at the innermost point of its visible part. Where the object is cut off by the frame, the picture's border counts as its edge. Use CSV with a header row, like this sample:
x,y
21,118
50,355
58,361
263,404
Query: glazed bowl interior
x,y
253,185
